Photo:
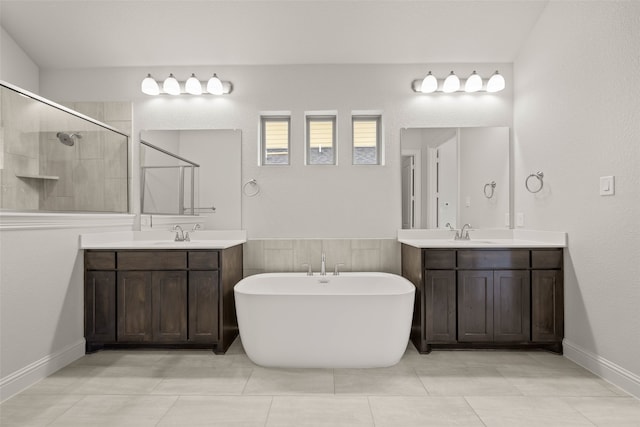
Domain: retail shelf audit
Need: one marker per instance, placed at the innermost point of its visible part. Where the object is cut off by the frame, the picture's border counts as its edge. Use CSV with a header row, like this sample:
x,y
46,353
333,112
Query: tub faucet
x,y
323,265
179,234
309,270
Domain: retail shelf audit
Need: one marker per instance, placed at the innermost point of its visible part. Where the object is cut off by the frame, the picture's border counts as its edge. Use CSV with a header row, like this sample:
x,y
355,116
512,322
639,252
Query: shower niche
x,y
55,159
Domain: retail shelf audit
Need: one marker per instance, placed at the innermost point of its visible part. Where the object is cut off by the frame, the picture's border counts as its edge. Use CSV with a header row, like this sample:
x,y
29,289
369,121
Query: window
x,y
275,140
321,140
366,140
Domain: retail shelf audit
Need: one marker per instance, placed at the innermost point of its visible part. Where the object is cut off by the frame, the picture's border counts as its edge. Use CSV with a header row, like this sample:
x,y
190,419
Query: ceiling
x,y
59,34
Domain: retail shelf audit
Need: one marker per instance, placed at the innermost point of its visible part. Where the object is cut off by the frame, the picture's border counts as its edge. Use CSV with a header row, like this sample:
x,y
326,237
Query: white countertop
x,y
498,238
200,239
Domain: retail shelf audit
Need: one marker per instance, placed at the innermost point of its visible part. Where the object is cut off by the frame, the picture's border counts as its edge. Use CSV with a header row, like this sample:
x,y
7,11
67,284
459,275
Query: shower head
x,y
68,138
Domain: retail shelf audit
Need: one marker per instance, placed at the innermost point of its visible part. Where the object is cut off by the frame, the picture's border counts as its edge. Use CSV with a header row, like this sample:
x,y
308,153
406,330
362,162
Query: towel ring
x,y
538,175
254,183
492,187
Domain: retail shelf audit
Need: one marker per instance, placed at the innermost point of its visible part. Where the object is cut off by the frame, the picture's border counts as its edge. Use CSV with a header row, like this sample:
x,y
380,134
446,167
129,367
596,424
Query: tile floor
x,y
198,388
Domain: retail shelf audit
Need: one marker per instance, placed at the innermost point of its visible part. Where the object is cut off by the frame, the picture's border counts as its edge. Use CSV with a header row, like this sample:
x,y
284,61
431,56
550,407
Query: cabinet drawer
x,y
546,258
99,260
492,259
205,260
152,260
435,259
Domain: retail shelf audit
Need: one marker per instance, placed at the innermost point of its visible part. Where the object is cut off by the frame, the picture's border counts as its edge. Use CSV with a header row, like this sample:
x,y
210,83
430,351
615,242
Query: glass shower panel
x,y
57,160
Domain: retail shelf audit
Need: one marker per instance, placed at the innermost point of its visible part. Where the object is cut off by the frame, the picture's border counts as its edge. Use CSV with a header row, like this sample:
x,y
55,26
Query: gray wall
x,y
298,201
576,119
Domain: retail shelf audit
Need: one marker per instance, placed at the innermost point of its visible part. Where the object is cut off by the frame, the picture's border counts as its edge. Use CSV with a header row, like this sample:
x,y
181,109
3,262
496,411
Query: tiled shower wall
x,y
288,255
19,144
92,174
97,178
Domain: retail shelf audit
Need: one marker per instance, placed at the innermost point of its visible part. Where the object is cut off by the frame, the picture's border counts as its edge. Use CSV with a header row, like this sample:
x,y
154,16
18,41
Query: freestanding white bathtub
x,y
354,320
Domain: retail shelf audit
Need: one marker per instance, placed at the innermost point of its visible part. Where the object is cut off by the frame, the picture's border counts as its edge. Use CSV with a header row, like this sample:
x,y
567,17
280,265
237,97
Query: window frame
x,y
279,117
368,116
321,117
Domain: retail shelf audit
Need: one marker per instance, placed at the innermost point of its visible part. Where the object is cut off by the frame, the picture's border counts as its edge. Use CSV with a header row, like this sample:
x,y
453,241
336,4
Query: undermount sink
x,y
473,242
169,242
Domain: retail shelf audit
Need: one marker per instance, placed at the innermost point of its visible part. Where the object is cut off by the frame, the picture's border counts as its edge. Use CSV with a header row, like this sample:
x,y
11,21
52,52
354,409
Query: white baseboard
x,y
615,374
23,378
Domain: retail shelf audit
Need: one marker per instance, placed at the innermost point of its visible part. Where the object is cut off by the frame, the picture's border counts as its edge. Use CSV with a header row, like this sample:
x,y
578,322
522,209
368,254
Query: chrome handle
x,y
309,270
336,271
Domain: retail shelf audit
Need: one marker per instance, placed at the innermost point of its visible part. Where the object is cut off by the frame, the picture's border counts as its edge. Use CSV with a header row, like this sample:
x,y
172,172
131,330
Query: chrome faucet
x,y
457,236
187,237
309,270
323,265
464,235
180,237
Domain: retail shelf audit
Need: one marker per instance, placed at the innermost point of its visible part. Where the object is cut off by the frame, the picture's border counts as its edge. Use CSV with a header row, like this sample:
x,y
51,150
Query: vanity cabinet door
x,y
203,306
134,306
547,306
440,306
152,306
511,306
475,305
169,293
100,306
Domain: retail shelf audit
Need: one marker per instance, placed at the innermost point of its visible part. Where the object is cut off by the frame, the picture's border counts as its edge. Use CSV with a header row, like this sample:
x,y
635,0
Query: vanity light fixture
x,y
429,84
171,85
193,86
214,85
451,84
495,83
150,86
473,83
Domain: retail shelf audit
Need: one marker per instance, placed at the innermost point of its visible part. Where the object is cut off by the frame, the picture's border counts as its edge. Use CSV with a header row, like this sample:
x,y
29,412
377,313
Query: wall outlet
x,y
507,220
520,219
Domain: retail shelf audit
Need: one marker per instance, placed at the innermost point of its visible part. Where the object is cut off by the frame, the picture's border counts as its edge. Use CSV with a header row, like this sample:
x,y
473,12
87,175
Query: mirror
x,y
455,176
166,175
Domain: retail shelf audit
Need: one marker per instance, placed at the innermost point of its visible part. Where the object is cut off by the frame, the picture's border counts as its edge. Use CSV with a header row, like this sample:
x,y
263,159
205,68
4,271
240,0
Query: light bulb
x,y
495,83
149,86
193,85
451,83
214,85
473,83
171,85
429,84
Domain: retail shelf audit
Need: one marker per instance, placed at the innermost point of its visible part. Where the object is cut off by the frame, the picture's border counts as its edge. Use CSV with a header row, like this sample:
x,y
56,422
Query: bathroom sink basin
x,y
173,242
473,242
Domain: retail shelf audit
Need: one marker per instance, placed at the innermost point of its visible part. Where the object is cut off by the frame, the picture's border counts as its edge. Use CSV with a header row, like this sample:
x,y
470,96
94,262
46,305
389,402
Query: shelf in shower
x,y
48,177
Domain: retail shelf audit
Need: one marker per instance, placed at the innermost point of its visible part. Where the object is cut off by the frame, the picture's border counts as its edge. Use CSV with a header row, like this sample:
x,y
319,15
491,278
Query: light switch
x,y
607,186
467,201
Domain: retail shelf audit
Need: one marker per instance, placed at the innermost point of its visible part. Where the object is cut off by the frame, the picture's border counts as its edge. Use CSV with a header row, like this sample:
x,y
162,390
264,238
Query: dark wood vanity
x,y
486,298
166,298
